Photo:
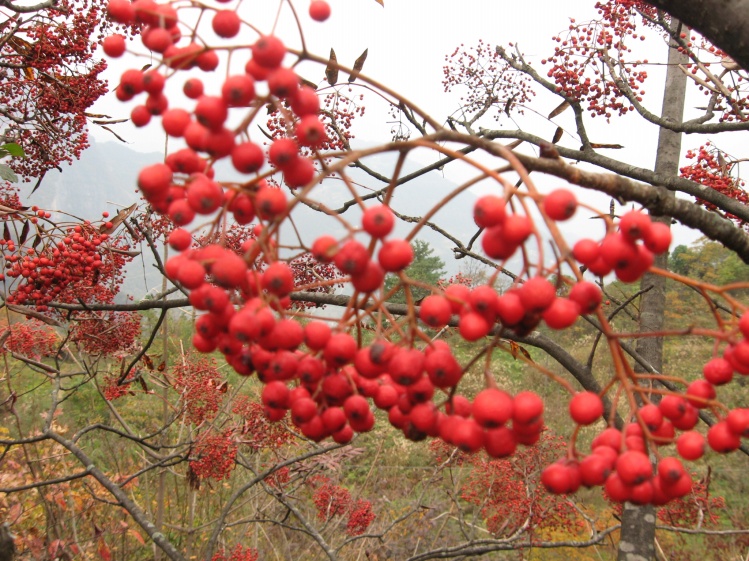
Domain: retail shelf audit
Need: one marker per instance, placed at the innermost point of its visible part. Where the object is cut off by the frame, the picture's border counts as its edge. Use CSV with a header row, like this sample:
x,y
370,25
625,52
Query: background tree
x,y
426,268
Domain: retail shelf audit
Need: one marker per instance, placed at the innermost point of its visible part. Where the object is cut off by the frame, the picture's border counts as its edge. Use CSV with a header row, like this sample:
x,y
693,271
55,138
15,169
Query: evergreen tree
x,y
426,267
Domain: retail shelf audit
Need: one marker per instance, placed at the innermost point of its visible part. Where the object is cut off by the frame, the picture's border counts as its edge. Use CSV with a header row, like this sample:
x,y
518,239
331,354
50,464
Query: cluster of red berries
x,y
712,169
30,338
112,334
198,381
238,553
205,128
213,455
320,373
580,58
333,500
79,263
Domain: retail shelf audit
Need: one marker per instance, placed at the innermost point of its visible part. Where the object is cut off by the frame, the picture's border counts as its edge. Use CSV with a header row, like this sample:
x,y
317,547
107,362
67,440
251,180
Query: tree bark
x,y
637,542
724,22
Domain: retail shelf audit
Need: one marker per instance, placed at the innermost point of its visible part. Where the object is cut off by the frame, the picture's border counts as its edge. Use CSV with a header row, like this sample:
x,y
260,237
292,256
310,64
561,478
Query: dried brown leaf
x,y
557,135
559,109
331,70
358,65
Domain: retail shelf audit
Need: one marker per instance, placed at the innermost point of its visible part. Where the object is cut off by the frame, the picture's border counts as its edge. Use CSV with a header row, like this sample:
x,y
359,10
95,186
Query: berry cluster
x,y
65,264
332,500
31,339
112,334
324,373
238,553
713,168
213,456
586,64
198,380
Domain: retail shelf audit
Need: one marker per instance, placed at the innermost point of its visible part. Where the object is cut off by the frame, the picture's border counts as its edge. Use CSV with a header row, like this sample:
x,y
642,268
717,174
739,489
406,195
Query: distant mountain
x,y
103,179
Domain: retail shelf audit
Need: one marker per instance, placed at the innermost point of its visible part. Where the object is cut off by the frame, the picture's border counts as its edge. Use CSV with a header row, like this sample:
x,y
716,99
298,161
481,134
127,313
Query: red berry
x,y
492,408
586,408
268,51
247,157
114,45
226,23
319,10
489,211
560,204
435,311
722,439
691,445
537,294
238,91
395,255
378,221
283,83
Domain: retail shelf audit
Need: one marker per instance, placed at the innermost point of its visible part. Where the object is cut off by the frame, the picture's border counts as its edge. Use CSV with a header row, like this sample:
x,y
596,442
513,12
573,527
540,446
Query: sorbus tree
x,y
434,366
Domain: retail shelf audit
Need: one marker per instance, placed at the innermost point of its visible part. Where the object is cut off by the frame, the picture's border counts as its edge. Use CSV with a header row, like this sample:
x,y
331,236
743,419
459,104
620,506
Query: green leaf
x,y
8,174
13,149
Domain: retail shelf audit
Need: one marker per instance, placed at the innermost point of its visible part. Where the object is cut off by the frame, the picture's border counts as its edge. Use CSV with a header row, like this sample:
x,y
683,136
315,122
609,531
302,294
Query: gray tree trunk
x,y
723,22
637,542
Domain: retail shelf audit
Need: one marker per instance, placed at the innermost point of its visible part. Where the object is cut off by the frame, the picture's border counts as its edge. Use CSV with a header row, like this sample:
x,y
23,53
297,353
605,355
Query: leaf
x,y
24,232
331,70
515,349
6,232
137,536
117,136
358,65
118,219
381,2
104,551
8,174
557,135
308,83
559,109
13,149
613,146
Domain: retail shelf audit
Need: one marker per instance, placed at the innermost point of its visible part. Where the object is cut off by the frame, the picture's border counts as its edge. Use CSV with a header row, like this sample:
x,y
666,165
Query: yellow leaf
x,y
381,2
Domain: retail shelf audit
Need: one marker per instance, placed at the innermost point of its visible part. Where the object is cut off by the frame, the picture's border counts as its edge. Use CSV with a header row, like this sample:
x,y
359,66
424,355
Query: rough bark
x,y
723,22
637,542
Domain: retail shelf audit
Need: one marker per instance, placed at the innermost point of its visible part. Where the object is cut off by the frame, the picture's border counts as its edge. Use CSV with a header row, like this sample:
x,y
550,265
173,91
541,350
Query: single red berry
x,y
718,371
489,211
722,439
175,122
193,88
319,10
492,408
560,204
238,90
691,445
140,116
268,51
537,294
435,311
114,45
586,408
226,23
247,157
283,83
395,255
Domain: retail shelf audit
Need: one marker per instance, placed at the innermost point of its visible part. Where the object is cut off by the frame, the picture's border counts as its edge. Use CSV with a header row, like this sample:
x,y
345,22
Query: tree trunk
x,y
723,22
637,541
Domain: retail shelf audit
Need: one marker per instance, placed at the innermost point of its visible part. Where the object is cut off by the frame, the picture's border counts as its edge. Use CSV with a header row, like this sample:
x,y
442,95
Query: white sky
x,y
407,42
